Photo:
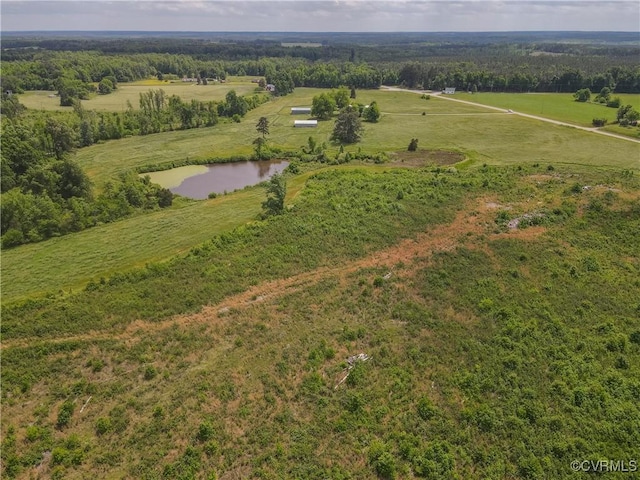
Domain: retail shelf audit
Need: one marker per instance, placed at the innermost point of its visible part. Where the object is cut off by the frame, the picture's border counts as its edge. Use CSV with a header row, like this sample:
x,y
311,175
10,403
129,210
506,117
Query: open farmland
x,y
557,106
490,137
130,92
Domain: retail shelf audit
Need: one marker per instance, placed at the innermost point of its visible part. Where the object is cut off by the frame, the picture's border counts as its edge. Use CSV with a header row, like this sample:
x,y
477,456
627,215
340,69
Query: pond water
x,y
198,181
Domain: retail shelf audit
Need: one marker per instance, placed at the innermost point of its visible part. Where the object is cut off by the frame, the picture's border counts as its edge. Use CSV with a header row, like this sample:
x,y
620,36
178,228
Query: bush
x,y
64,414
582,95
426,409
381,460
413,145
205,432
599,122
150,372
614,103
103,425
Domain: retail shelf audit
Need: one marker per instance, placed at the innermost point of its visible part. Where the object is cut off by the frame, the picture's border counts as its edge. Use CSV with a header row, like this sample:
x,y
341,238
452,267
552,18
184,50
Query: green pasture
x,y
72,260
490,137
130,92
556,106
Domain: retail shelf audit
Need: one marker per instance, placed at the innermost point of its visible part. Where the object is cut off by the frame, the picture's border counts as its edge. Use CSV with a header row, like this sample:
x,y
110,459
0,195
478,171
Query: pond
x,y
198,181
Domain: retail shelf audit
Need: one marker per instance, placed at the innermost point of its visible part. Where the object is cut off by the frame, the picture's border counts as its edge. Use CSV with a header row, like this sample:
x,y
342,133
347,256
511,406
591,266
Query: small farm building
x,y
270,88
300,110
305,123
450,90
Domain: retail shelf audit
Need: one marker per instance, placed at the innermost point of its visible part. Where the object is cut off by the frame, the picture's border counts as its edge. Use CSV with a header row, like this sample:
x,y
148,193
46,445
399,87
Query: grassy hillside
x,y
494,352
490,137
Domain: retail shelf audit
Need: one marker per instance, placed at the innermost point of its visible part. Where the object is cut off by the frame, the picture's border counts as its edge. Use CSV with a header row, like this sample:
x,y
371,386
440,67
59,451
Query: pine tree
x,y
263,126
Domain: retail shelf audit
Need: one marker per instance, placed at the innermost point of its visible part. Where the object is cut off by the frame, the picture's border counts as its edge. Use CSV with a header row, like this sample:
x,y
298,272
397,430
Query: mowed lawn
x,y
73,260
491,137
557,106
130,92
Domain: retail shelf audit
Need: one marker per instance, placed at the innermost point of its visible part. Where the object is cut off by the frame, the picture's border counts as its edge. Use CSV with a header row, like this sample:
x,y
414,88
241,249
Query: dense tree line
x,y
491,67
520,79
46,194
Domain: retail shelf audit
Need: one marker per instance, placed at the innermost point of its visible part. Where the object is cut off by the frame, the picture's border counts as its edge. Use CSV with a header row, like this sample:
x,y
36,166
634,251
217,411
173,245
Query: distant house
x,y
300,110
449,90
189,79
270,87
305,123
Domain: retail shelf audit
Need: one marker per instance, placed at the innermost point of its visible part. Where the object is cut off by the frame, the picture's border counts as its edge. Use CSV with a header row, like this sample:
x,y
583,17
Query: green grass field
x,y
557,106
492,138
130,92
71,261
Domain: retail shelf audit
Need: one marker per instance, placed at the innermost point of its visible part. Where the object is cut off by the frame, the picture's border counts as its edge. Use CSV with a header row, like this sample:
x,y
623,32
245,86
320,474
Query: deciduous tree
x,y
371,113
322,106
276,193
582,95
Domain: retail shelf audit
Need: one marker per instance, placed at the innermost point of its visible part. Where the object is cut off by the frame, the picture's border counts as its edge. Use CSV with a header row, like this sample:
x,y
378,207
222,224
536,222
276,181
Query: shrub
x,y
381,460
205,432
103,425
614,103
64,414
413,145
599,122
150,372
426,409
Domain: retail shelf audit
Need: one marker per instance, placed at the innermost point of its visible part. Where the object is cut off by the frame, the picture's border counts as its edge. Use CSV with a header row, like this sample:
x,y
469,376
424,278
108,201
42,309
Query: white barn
x,y
300,110
305,123
450,90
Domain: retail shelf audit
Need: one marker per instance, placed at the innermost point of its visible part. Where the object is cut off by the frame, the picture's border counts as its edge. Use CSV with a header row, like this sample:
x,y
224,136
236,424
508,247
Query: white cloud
x,y
313,15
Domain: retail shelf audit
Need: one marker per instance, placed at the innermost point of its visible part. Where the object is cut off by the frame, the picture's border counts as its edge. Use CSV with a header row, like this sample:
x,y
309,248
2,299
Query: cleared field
x,y
233,360
130,92
557,106
490,137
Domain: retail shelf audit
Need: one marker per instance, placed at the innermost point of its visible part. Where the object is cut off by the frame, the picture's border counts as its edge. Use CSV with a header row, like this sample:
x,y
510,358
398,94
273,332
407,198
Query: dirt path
x,y
511,112
475,218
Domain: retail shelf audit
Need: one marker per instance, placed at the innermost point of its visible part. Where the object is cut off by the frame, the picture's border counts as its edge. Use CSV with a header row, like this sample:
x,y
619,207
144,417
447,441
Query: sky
x,y
321,16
